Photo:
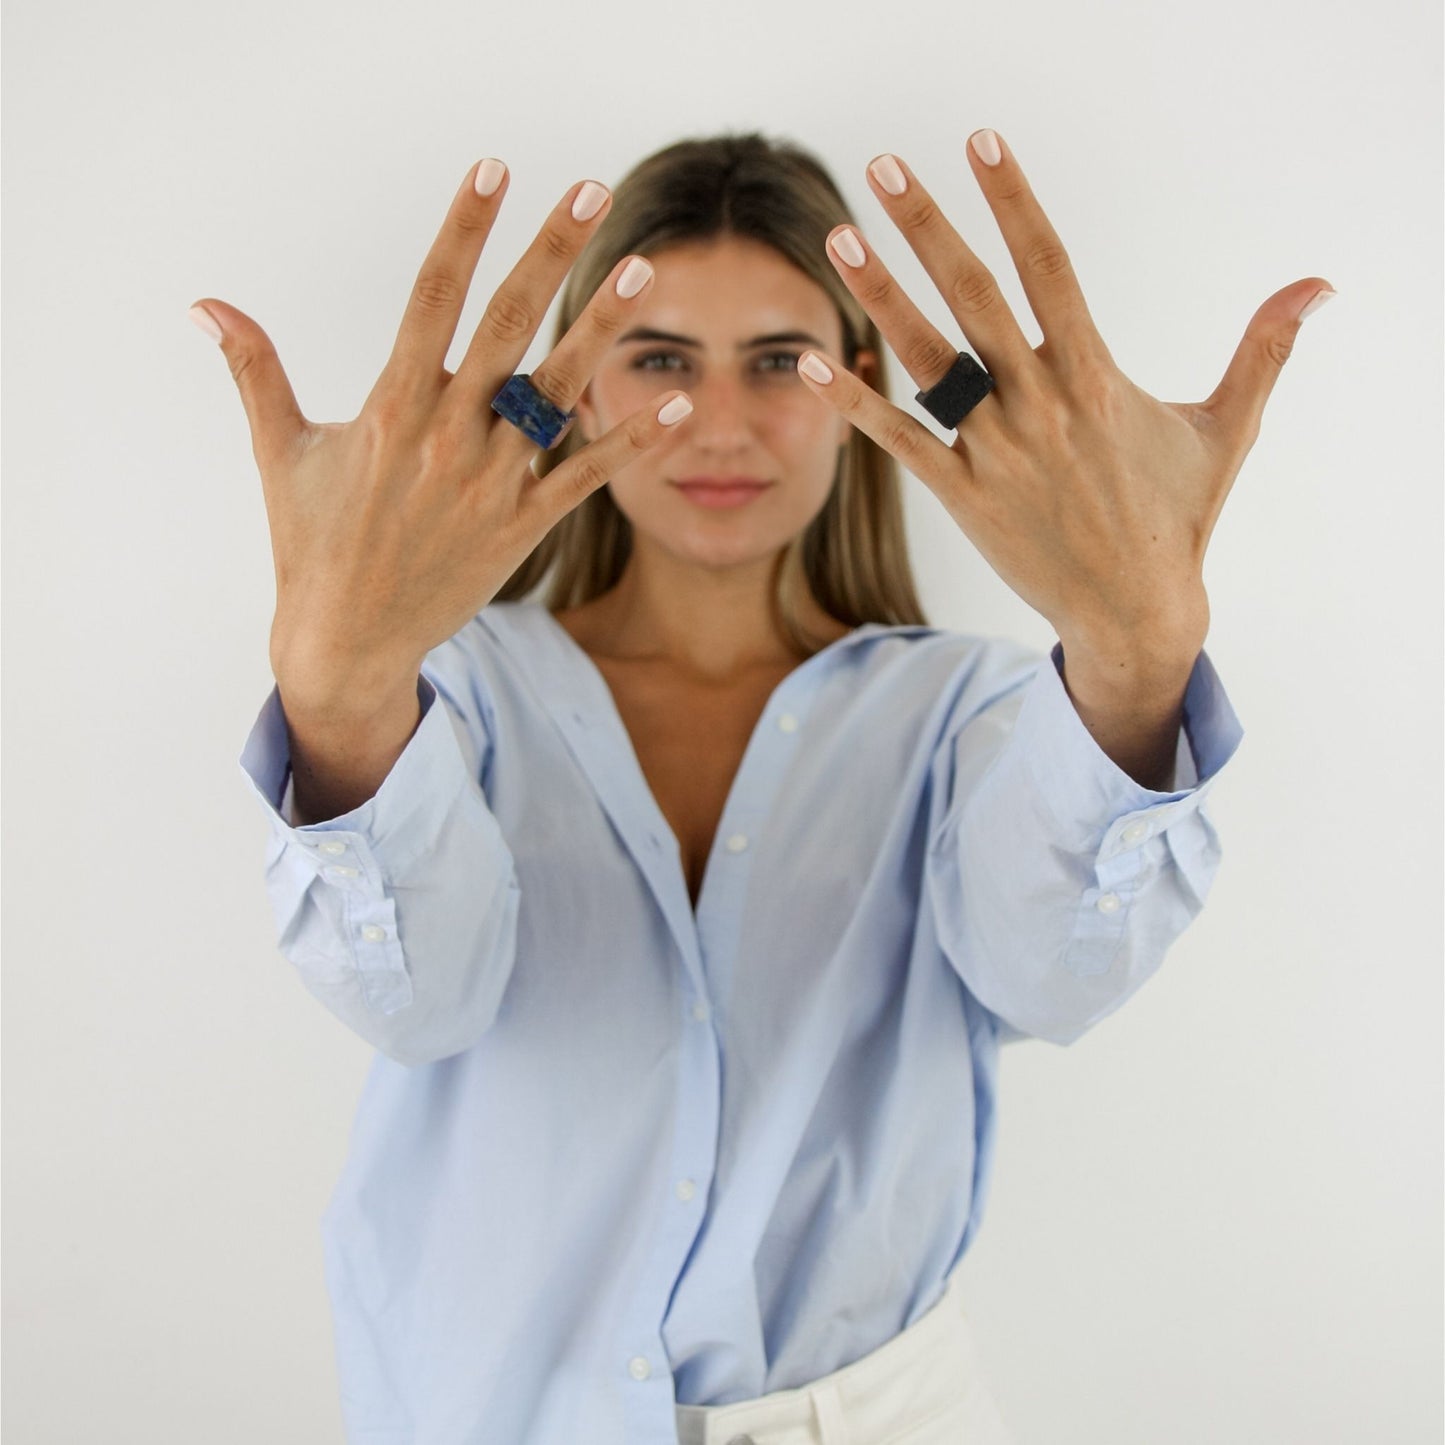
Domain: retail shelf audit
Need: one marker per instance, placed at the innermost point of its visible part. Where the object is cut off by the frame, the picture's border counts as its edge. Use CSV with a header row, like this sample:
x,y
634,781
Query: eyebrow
x,y
643,333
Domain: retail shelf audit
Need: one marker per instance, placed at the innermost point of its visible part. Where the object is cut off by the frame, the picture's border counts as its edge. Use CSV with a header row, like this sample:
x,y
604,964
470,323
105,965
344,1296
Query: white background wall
x,y
1216,1217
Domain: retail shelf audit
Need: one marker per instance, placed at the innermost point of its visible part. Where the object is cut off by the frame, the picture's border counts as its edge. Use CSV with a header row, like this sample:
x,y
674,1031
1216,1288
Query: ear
x,y
586,421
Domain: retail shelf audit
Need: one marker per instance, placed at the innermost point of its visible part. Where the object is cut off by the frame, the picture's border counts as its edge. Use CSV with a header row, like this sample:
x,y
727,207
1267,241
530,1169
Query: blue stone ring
x,y
520,403
964,385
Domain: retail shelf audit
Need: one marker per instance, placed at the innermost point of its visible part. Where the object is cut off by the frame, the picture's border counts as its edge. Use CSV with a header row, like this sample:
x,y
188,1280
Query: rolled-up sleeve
x,y
400,916
1057,882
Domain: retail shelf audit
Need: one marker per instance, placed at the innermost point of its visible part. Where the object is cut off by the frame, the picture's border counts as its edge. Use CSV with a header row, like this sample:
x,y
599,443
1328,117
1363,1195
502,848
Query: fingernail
x,y
634,278
986,147
811,364
205,321
589,201
887,172
675,410
1316,301
489,176
845,243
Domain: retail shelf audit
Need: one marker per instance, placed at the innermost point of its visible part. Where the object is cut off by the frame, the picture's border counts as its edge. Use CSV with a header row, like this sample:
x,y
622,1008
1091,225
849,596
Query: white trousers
x,y
924,1387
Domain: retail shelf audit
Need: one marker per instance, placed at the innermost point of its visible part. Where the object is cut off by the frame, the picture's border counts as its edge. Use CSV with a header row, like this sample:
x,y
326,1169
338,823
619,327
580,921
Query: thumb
x,y
1238,402
271,409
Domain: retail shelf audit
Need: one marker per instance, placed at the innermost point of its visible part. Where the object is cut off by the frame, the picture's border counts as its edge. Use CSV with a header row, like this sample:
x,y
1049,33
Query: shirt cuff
x,y
396,824
1100,809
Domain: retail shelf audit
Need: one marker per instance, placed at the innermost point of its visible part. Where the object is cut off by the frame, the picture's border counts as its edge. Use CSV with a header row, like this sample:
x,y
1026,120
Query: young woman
x,y
687,905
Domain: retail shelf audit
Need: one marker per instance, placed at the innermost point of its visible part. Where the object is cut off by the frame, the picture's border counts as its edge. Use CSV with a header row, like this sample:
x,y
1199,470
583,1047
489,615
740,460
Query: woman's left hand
x,y
1092,500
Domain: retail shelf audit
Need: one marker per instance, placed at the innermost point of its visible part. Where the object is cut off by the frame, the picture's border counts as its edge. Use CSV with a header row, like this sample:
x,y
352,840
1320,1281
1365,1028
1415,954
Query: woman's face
x,y
752,416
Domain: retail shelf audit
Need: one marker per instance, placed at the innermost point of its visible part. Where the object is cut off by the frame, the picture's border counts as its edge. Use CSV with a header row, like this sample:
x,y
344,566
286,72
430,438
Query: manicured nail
x,y
675,410
811,364
845,243
634,278
205,321
986,147
589,201
889,174
489,176
1316,301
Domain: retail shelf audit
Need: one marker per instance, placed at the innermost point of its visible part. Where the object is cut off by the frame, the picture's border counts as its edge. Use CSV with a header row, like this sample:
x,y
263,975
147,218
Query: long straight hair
x,y
854,553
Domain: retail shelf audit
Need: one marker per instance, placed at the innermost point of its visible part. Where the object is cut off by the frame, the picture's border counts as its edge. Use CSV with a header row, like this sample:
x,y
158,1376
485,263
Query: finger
x,y
916,448
967,286
564,375
1237,403
419,353
1044,268
546,500
516,310
926,353
277,425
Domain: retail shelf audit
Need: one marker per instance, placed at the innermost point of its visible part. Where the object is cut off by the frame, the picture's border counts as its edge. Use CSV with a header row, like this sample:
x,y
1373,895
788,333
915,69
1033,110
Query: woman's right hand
x,y
391,531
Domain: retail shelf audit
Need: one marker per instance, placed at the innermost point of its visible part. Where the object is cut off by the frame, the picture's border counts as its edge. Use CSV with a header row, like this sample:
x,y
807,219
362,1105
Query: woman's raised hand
x,y
1090,499
391,531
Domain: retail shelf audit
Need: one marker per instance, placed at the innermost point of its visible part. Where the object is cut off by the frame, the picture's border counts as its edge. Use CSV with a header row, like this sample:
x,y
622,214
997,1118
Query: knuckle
x,y
585,472
508,318
556,245
606,320
875,290
558,380
1012,192
471,221
971,290
242,363
1279,347
436,293
1046,257
929,356
898,437
920,214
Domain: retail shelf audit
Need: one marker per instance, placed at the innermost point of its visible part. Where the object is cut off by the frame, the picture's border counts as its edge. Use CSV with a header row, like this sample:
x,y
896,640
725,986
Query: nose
x,y
721,418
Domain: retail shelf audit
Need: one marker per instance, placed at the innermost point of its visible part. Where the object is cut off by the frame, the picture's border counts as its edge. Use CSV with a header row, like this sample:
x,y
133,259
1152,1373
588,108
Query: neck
x,y
705,622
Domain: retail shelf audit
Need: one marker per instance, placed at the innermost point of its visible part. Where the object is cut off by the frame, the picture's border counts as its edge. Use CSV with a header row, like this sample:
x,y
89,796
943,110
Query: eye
x,y
788,358
640,364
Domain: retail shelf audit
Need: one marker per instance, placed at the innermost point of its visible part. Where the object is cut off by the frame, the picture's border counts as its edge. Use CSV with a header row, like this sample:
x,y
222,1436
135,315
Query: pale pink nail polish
x,y
986,146
889,174
816,367
205,321
1316,301
845,243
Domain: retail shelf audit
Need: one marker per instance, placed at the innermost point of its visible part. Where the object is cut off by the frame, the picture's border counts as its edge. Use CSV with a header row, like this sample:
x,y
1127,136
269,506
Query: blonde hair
x,y
854,553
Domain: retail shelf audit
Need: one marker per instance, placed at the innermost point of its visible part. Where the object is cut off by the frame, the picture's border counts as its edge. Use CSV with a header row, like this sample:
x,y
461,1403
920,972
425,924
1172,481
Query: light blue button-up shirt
x,y
613,1155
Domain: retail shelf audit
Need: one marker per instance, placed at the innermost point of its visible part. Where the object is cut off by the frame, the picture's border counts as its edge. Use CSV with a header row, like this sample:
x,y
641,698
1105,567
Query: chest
x,y
689,742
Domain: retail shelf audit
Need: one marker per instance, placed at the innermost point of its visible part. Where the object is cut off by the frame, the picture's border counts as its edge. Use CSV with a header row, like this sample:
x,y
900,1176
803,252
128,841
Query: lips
x,y
714,492
720,481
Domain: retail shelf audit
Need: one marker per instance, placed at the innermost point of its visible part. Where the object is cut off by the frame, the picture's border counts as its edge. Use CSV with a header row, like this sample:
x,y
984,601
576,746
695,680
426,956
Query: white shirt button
x,y
372,933
686,1189
1135,831
737,842
700,1011
638,1368
340,872
788,723
332,848
1109,903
